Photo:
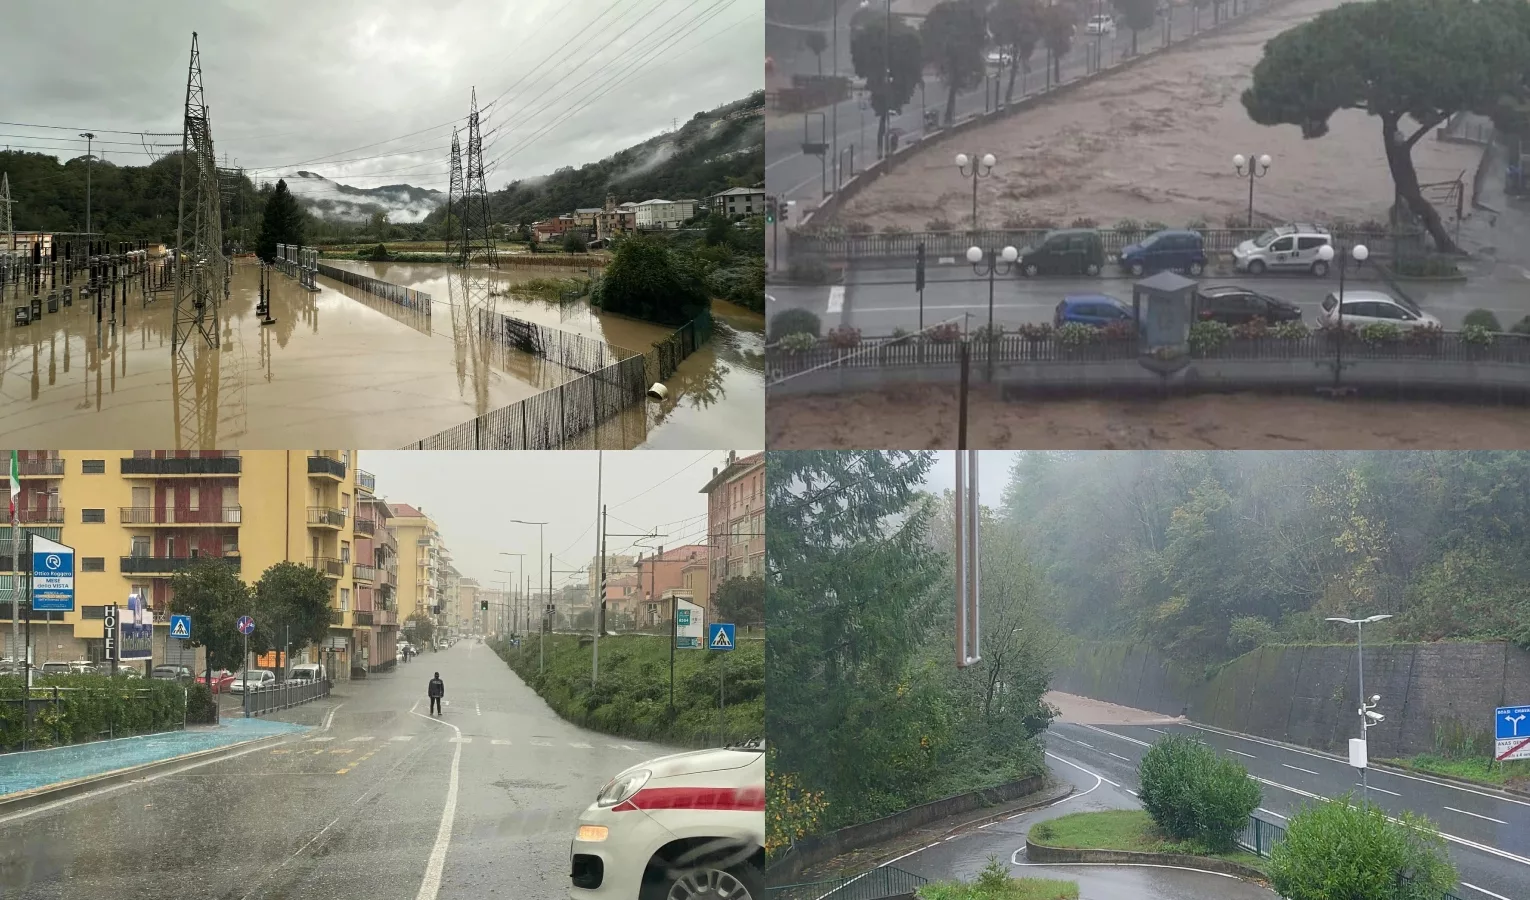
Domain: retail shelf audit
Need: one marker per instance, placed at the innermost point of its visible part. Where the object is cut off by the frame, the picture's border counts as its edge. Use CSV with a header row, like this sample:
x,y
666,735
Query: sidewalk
x,y
28,771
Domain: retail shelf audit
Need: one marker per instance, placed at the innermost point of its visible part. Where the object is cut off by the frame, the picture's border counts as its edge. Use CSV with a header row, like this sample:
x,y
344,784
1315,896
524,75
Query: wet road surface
x,y
373,803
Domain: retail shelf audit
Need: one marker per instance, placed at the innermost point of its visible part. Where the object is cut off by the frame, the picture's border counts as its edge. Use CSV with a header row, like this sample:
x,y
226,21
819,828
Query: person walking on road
x,y
437,691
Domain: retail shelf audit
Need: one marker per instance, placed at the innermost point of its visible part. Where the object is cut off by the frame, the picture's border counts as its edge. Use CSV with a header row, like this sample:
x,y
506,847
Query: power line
x,y
689,465
95,130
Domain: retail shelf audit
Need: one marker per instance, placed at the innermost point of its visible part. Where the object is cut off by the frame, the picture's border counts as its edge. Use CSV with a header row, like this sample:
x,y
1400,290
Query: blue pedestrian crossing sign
x,y
720,636
180,627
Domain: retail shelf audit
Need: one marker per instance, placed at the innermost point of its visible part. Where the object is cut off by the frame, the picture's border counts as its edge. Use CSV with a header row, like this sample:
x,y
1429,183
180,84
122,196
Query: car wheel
x,y
737,882
1320,268
1196,268
1137,270
1256,267
1030,270
1092,269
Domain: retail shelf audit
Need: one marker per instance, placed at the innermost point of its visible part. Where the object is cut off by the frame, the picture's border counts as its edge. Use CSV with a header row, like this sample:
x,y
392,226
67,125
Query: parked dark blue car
x,y
1091,309
1178,250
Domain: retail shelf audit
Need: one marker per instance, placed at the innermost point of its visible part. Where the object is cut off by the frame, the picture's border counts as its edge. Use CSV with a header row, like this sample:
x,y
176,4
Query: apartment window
x,y
142,497
92,467
345,457
92,564
345,503
196,499
345,599
140,546
89,516
230,544
345,551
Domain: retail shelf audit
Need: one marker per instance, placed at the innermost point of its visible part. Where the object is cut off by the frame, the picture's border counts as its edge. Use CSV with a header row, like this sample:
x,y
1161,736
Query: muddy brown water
x,y
339,367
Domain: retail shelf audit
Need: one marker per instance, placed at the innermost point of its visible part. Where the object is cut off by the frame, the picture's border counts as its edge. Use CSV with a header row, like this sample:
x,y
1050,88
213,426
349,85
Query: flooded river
x,y
342,368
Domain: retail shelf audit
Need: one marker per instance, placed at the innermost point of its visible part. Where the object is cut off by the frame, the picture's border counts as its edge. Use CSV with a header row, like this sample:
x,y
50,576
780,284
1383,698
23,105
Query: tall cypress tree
x,y
283,223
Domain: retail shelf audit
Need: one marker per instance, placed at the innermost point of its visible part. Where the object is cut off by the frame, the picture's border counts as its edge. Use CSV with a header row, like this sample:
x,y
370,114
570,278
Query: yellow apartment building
x,y
417,557
135,518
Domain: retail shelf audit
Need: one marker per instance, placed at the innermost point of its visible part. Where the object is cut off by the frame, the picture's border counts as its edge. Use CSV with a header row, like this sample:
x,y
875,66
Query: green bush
x,y
1381,333
573,242
799,342
201,705
648,280
1076,334
808,271
91,707
1340,850
1477,334
794,321
1207,336
1483,318
1194,794
1291,331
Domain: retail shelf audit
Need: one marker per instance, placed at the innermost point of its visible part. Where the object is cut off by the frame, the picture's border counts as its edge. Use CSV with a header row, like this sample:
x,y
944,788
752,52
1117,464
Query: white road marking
x,y
1375,788
1085,771
500,742
1271,812
1117,736
1473,886
581,746
459,739
1159,730
360,740
836,299
1300,769
1474,815
1130,791
318,740
1015,861
477,709
402,737
430,886
1118,756
1241,753
537,743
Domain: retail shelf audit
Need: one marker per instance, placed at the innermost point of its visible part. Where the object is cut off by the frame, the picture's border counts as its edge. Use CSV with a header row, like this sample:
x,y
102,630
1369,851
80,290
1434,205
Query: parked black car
x,y
1235,305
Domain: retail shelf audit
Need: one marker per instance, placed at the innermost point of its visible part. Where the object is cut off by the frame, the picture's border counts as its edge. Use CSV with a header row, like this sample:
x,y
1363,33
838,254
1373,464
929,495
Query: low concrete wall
x,y
1042,853
815,850
1307,695
1495,381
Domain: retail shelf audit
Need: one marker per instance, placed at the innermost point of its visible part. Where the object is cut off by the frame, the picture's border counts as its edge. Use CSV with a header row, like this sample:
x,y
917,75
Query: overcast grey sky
x,y
471,495
993,473
366,93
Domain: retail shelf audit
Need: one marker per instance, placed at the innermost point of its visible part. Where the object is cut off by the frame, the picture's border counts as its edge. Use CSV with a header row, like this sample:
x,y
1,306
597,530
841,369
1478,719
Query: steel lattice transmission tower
x,y
201,271
6,228
478,224
453,190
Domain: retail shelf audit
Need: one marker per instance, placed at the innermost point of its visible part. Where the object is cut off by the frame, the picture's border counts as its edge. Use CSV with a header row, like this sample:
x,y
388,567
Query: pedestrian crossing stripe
x,y
580,746
402,737
365,737
460,740
500,742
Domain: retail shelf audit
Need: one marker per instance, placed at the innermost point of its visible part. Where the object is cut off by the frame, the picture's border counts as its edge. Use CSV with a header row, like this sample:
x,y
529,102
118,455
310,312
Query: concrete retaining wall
x,y
1041,853
815,850
1307,695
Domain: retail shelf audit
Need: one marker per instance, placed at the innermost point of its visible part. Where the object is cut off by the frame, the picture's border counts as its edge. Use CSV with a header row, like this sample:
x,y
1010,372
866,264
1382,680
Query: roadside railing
x,y
53,707
877,884
283,695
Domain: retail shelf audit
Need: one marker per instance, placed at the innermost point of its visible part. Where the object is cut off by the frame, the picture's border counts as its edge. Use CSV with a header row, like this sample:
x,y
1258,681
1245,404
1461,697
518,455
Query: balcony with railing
x,y
46,467
361,617
326,517
364,573
169,565
42,515
326,467
153,515
337,617
331,567
384,617
162,466
365,526
365,481
387,576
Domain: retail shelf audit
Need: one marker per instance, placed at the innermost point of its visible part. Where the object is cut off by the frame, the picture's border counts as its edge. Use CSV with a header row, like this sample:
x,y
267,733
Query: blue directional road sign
x,y
246,625
52,575
180,627
1511,727
720,636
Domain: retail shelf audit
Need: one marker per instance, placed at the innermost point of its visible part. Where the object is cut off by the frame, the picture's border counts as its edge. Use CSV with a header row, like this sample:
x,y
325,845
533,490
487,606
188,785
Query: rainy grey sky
x,y
993,473
472,495
366,93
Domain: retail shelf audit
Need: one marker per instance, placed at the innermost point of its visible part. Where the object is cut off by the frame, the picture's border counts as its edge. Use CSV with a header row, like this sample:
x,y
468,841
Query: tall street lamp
x,y
540,548
1368,716
1326,253
514,607
88,138
1251,168
991,268
975,168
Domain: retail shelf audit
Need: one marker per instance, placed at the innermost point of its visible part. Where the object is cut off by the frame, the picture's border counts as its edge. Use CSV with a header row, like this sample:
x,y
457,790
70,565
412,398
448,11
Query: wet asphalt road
x,y
352,810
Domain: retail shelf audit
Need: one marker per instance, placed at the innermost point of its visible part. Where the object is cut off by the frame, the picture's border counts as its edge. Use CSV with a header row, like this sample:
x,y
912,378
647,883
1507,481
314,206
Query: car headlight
x,y
622,788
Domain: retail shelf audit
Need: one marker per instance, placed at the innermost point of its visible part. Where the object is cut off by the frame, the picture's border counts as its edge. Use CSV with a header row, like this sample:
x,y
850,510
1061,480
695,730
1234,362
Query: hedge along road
x,y
794,176
876,300
1487,832
361,810
962,856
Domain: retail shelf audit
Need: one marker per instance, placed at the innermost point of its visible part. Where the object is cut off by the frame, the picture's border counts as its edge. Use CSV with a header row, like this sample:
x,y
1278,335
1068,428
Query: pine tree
x,y
282,224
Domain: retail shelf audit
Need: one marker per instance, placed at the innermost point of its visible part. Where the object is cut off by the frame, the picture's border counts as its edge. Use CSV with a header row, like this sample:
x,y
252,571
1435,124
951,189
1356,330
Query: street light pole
x,y
975,256
974,167
1255,168
1366,706
1359,253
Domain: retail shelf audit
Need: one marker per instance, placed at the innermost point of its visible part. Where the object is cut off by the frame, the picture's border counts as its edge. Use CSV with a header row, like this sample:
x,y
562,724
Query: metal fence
x,y
282,695
832,245
406,297
877,884
1013,348
52,706
667,354
567,349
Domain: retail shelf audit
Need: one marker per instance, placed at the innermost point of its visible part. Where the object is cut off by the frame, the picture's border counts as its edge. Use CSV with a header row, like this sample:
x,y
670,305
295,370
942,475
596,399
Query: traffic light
x,y
919,268
770,210
483,604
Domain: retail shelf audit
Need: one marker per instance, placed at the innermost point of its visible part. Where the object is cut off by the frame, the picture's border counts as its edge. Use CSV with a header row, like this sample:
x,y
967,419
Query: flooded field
x,y
339,367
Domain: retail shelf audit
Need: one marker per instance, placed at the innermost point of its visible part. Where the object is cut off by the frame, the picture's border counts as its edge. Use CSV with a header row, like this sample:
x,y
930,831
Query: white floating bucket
x,y
658,391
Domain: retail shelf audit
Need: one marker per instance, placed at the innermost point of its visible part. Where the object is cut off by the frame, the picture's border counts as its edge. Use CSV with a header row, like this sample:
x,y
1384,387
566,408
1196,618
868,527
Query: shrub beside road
x,y
87,708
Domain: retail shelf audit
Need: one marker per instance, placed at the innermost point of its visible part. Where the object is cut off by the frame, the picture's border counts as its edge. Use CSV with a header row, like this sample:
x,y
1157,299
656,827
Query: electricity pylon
x,y
478,224
5,213
201,269
454,192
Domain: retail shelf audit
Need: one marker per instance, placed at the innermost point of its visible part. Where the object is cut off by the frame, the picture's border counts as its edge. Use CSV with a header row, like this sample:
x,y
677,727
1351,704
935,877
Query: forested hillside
x,y
1209,554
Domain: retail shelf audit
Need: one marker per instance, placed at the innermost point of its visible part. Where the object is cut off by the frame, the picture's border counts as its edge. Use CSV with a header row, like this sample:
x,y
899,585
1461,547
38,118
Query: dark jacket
x,y
437,687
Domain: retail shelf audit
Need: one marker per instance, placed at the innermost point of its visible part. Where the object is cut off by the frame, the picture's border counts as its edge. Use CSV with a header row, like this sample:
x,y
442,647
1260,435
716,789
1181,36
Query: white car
x,y
1100,25
1362,308
682,827
255,678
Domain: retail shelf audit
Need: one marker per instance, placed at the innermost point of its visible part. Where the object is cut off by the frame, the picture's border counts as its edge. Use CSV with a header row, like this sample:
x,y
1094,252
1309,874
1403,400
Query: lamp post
x,y
540,548
1251,168
991,268
1326,253
88,138
1368,716
515,609
975,168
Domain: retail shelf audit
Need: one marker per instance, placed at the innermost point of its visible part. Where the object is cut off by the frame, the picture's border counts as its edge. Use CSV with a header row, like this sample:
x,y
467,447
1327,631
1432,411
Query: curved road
x,y
376,802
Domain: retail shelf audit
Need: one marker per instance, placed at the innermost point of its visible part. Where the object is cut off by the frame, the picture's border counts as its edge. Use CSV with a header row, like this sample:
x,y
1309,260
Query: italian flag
x,y
15,482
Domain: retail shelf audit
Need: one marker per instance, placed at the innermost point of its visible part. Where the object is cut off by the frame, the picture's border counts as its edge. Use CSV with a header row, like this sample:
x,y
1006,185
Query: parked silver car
x,y
256,679
1362,308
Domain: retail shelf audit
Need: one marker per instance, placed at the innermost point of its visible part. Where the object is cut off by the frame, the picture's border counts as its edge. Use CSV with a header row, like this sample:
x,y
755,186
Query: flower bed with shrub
x,y
88,708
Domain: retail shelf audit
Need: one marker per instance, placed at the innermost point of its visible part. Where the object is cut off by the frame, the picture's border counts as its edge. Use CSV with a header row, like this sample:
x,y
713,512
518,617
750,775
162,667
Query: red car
x,y
221,679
